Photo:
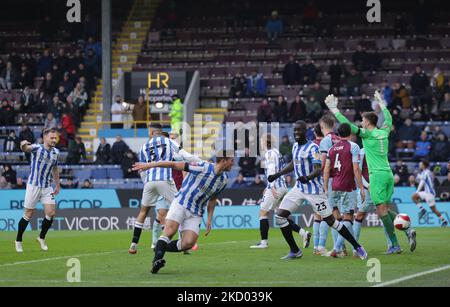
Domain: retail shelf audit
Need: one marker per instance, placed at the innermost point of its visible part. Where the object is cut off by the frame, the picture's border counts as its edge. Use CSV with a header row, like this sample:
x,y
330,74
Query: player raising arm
x,y
44,161
375,142
200,188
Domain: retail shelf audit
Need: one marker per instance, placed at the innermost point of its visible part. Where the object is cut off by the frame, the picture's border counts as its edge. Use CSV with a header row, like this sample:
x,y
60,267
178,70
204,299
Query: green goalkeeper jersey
x,y
375,142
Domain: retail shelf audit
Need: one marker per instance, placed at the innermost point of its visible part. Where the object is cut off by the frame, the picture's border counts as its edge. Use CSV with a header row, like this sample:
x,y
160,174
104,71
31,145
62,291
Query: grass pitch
x,y
223,259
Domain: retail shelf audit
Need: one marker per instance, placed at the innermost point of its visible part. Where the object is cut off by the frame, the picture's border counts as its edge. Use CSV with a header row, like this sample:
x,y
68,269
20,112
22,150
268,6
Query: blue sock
x,y
323,233
357,229
335,235
316,234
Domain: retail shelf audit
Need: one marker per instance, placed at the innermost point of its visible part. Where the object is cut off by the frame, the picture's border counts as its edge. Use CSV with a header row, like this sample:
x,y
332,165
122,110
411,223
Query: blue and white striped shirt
x,y
200,186
158,149
304,158
273,164
42,163
427,179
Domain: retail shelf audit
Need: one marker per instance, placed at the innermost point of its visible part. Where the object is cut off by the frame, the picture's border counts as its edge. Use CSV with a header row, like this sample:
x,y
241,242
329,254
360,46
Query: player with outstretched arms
x,y
366,205
428,194
375,142
200,189
307,166
44,167
342,165
273,194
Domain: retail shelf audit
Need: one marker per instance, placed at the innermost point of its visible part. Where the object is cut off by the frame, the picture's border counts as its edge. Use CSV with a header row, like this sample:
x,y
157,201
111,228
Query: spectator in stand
x,y
238,86
419,82
318,93
297,110
94,45
49,86
56,72
140,112
407,134
30,62
361,106
68,125
285,146
412,182
397,182
292,72
438,82
117,110
387,92
240,182
444,108
264,113
359,58
87,184
62,95
75,60
3,184
66,83
335,71
423,147
57,107
274,27
2,64
73,110
62,61
76,152
50,122
353,82
8,77
256,85
118,150
280,113
26,134
92,62
70,184
44,63
80,97
308,72
310,14
27,101
20,185
401,96
440,148
103,153
25,77
10,175
258,183
7,114
247,164
63,142
127,165
12,143
445,185
313,109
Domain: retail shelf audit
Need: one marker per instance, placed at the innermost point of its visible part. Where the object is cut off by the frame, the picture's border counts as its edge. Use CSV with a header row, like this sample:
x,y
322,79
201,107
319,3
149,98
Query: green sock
x,y
389,227
392,215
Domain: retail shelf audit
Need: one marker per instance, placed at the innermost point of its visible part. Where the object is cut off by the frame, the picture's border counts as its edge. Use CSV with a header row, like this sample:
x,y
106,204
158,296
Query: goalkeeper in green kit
x,y
381,179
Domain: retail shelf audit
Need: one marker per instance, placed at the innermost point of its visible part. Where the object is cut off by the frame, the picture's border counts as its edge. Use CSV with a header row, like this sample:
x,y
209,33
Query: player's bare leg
x,y
23,224
138,225
50,211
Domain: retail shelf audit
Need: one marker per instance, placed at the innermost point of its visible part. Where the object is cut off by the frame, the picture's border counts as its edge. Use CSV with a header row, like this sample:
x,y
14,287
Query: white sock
x,y
302,232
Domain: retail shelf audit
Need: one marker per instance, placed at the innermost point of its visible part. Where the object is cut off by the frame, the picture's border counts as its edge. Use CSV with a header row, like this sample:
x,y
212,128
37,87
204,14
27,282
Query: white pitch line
x,y
96,254
408,277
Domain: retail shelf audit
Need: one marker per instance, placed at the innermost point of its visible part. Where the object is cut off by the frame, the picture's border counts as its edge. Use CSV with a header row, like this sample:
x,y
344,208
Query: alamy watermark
x,y
374,13
74,13
374,273
74,273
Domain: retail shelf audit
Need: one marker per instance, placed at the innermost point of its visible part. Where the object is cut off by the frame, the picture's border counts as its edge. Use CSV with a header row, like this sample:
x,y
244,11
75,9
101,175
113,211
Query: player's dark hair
x,y
372,117
344,130
165,134
318,131
156,126
301,124
426,163
224,154
48,130
268,141
328,120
